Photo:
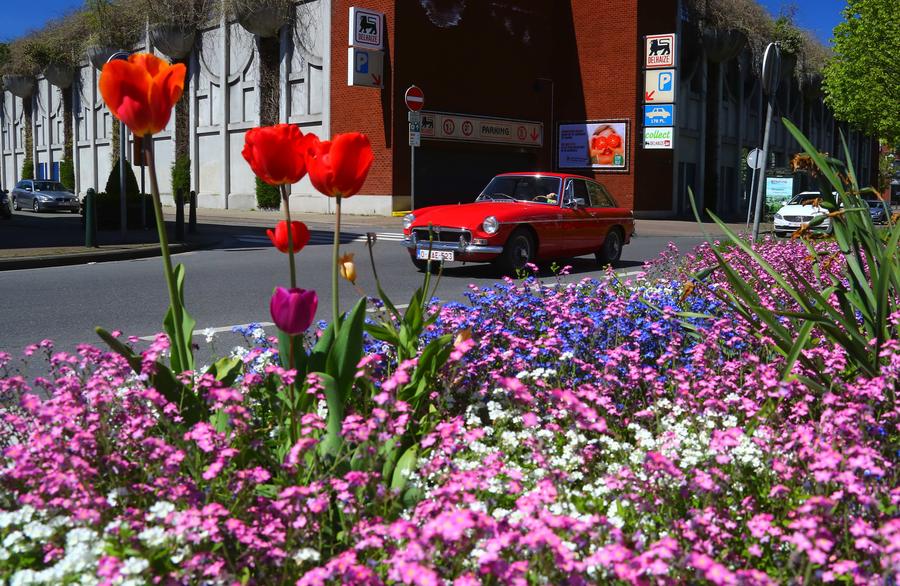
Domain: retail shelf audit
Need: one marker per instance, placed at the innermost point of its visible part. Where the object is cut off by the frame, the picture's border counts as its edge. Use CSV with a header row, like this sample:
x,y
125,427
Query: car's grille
x,y
798,218
63,199
442,234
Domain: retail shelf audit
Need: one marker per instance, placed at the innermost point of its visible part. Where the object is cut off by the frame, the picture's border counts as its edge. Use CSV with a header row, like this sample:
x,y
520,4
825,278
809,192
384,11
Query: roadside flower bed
x,y
729,418
581,437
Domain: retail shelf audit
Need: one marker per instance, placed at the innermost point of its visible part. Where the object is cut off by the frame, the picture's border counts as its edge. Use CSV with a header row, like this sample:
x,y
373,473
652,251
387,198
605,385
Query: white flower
x,y
153,536
160,510
307,554
209,333
134,566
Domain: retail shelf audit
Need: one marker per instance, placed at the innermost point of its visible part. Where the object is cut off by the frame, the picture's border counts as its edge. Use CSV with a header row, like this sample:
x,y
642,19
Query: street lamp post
x,y
123,154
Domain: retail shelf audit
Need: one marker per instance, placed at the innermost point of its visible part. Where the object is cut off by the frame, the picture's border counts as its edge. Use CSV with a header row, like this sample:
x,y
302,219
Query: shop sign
x,y
599,144
659,138
659,86
366,28
659,51
662,115
365,68
442,126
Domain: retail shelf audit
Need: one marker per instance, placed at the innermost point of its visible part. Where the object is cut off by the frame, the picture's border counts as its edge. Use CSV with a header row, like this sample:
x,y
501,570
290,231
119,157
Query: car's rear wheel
x,y
518,252
611,250
35,206
16,205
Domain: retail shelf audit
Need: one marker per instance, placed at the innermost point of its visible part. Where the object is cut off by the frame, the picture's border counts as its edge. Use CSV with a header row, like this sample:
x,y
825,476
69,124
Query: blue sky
x,y
819,16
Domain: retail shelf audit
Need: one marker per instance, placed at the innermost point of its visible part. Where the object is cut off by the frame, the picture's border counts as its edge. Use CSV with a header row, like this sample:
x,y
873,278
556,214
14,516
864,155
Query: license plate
x,y
435,254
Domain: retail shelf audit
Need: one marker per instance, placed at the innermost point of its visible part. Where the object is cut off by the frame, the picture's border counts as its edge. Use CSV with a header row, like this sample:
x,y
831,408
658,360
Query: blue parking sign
x,y
659,115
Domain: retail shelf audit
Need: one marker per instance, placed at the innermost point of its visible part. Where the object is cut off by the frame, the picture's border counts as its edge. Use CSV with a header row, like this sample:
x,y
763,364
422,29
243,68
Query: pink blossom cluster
x,y
580,434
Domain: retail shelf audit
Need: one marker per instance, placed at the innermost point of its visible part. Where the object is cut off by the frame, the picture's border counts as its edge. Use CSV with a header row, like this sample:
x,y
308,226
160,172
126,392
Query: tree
x,y
862,80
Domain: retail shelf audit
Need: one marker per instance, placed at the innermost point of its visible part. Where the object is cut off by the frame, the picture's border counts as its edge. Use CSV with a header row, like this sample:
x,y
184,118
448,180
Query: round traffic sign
x,y
414,98
755,159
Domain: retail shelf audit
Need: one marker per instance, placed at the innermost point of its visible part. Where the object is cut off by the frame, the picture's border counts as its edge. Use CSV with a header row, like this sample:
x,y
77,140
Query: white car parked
x,y
795,213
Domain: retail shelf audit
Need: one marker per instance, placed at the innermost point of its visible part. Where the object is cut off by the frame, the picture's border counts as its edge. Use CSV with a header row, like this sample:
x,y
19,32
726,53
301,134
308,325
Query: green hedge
x,y
267,196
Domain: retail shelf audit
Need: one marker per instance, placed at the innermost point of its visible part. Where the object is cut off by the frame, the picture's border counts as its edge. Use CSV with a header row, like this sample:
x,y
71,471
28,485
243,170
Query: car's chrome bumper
x,y
457,247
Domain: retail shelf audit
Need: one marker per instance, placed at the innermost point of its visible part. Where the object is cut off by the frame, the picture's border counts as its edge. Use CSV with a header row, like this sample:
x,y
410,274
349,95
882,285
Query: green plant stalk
x,y
335,305
179,342
290,234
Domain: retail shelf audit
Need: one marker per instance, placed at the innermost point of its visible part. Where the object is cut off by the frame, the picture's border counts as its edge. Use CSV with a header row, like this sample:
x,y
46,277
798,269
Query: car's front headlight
x,y
408,219
778,217
490,225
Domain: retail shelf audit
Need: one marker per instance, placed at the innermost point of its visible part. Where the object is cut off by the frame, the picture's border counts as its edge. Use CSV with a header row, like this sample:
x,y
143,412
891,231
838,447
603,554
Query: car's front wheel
x,y
16,204
611,250
35,206
518,252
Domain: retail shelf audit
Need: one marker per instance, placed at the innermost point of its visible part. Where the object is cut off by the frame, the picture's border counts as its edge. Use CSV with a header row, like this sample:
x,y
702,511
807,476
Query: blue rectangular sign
x,y
659,115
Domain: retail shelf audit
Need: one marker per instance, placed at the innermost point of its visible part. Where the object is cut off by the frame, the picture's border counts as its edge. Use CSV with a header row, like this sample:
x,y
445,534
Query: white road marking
x,y
218,330
346,238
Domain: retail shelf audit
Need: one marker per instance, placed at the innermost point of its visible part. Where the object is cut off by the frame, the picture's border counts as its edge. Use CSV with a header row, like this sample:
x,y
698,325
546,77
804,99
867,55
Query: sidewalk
x,y
39,240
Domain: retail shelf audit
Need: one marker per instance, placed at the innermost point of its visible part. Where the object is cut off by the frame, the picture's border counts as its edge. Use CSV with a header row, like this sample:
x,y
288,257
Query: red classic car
x,y
520,218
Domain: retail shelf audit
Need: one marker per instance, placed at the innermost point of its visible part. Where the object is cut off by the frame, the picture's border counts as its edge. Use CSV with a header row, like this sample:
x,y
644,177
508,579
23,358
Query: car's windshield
x,y
803,197
48,186
523,188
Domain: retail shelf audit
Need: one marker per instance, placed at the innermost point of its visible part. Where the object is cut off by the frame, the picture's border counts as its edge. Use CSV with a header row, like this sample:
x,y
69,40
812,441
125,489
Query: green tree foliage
x,y
861,80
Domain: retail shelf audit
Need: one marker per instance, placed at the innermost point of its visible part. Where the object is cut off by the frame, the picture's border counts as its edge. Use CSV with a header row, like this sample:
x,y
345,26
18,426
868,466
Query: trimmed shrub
x,y
67,173
181,176
28,169
267,196
108,203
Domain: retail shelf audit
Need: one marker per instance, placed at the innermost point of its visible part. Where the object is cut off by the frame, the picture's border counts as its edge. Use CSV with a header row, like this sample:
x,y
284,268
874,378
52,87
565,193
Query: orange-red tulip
x,y
339,167
277,154
279,236
142,91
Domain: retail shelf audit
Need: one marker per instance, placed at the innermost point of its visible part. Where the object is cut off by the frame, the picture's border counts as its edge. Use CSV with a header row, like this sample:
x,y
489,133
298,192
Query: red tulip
x,y
293,310
279,237
339,167
277,154
142,91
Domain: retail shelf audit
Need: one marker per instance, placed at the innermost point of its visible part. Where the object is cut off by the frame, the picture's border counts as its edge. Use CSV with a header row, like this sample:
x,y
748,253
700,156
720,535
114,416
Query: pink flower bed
x,y
582,435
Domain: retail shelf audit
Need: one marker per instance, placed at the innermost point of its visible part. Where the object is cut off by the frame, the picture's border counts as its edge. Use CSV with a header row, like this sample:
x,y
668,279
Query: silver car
x,y
40,195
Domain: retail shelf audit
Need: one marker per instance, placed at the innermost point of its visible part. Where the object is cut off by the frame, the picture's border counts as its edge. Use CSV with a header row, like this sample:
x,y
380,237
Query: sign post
x,y
771,73
660,65
415,101
756,162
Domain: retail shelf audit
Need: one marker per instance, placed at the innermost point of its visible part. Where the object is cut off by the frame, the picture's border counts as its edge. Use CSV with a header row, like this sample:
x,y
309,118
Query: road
x,y
228,285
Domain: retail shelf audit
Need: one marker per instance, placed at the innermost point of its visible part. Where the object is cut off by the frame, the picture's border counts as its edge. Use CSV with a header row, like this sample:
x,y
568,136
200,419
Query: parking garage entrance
x,y
449,173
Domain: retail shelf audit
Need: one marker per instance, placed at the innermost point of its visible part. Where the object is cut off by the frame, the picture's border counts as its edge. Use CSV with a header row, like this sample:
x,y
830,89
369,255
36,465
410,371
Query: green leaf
x,y
318,358
182,358
799,344
404,468
331,443
347,350
226,370
300,359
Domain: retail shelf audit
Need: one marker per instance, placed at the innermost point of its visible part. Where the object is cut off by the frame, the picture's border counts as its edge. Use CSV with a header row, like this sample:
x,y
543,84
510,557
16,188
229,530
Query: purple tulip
x,y
293,310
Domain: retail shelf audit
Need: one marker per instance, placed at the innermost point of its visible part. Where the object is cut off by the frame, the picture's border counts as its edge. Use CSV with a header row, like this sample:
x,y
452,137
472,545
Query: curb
x,y
78,258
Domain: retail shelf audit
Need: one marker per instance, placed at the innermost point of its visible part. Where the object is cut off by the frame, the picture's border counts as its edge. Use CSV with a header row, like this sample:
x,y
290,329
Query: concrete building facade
x,y
504,82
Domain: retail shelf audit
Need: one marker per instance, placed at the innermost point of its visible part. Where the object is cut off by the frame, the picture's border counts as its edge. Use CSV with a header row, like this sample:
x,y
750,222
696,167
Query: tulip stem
x,y
179,343
285,198
335,306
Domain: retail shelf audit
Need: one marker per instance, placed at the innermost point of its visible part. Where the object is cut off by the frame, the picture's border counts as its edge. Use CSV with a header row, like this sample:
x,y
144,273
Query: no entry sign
x,y
414,98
